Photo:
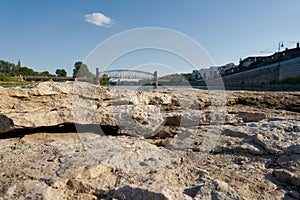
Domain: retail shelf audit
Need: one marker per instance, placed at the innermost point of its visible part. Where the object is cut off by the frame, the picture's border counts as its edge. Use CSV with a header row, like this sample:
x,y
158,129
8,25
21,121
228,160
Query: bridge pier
x,y
155,79
97,76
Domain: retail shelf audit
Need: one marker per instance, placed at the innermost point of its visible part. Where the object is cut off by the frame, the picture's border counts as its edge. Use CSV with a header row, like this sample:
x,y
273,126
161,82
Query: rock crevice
x,y
76,140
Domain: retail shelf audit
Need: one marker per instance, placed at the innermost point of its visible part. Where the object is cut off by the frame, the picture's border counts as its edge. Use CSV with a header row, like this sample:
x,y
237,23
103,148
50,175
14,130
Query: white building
x,y
226,67
204,74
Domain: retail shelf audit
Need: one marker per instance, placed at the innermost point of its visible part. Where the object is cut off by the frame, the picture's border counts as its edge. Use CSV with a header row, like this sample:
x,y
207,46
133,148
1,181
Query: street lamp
x,y
279,56
280,45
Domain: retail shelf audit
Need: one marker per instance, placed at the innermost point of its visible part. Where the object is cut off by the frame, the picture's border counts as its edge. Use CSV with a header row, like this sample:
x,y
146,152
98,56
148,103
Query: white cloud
x,y
98,19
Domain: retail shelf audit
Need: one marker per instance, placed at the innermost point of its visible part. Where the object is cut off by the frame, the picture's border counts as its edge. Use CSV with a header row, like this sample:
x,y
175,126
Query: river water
x,y
153,87
131,87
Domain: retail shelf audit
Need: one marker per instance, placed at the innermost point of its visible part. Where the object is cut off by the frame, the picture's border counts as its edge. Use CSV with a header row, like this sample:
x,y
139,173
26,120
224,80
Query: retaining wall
x,y
266,74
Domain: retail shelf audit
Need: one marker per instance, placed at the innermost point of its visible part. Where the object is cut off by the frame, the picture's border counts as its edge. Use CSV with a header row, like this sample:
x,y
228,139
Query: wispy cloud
x,y
98,19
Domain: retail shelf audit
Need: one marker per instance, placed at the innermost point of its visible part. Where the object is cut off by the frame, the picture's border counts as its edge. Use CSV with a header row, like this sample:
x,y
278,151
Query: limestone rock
x,y
295,149
252,116
126,193
287,177
216,189
77,140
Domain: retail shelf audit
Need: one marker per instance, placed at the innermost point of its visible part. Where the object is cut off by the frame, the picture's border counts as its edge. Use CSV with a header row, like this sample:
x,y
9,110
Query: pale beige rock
x,y
216,189
166,143
287,176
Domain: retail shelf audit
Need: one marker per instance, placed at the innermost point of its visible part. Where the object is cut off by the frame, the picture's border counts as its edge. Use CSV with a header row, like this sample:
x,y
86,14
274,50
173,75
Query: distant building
x,y
250,62
204,74
252,59
210,73
287,54
226,67
292,52
196,75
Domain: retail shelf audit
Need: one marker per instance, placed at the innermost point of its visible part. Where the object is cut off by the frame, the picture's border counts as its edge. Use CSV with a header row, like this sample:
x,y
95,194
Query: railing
x,y
58,78
127,74
119,74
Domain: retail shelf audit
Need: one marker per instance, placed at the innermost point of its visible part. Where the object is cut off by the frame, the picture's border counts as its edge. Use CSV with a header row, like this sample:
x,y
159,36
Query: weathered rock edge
x,y
51,104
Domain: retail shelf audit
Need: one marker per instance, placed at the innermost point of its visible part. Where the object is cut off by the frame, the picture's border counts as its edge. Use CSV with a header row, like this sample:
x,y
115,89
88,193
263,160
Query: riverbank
x,y
14,83
76,140
188,84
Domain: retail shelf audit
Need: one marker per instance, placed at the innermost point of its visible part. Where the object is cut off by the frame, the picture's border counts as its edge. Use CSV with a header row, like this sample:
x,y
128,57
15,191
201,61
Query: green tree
x,y
186,76
46,73
25,71
10,69
6,67
61,73
104,81
4,77
81,70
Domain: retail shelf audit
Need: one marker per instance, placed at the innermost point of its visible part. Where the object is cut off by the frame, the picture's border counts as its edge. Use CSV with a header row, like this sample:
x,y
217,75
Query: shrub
x,y
4,77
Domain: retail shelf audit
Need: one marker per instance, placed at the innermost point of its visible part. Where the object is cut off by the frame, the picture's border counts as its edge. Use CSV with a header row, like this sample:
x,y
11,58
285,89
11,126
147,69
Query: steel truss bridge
x,y
117,74
47,78
127,74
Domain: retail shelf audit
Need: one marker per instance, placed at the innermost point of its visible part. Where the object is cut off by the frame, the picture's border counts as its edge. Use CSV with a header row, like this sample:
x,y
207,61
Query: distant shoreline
x,y
266,87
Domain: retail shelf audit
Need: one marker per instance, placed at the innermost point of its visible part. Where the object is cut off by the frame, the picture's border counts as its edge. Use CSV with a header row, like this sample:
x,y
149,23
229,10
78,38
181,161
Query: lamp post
x,y
280,45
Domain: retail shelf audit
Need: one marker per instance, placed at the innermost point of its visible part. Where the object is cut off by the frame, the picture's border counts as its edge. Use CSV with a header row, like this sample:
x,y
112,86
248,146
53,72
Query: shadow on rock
x,y
64,128
128,193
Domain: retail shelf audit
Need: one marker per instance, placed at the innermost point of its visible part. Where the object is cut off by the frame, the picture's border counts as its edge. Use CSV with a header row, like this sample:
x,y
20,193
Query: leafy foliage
x,y
46,73
186,76
61,73
8,68
104,81
176,77
4,77
25,71
82,70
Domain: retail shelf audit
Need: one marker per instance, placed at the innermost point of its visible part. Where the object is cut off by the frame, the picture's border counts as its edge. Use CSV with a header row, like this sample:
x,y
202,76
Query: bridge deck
x,y
47,78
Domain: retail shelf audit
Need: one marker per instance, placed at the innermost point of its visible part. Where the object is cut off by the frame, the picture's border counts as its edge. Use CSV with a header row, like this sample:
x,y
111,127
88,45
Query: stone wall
x,y
266,74
260,75
289,68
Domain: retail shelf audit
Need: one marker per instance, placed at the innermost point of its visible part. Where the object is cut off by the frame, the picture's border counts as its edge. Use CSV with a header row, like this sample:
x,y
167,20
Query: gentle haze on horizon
x,y
47,35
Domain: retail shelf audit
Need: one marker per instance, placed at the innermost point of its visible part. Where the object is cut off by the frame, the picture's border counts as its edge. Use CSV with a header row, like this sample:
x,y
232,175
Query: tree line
x,y
10,69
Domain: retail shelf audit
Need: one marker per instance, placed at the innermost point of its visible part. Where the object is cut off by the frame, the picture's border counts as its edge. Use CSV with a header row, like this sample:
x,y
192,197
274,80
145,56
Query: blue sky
x,y
47,35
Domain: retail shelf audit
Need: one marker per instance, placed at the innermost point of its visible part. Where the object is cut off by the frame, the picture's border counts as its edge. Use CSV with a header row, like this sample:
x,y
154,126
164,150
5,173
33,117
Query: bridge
x,y
128,74
117,74
47,78
55,78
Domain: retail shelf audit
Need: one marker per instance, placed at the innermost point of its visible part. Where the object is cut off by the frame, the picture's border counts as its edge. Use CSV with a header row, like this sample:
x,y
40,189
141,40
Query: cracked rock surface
x,y
79,141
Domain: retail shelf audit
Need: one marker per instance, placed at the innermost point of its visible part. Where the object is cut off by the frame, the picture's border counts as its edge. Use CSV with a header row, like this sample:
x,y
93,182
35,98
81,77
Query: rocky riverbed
x,y
79,141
